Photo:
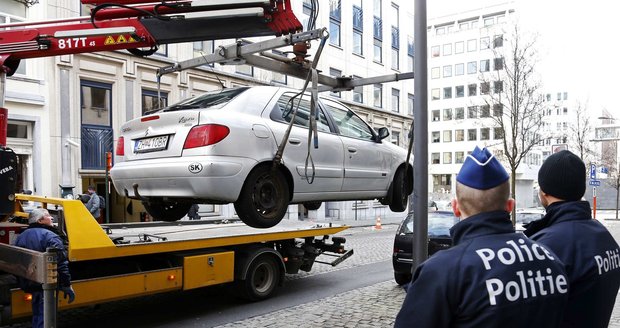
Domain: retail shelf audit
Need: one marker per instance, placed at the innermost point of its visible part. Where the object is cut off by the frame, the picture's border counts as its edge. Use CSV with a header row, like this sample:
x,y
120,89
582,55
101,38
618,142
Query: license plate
x,y
151,144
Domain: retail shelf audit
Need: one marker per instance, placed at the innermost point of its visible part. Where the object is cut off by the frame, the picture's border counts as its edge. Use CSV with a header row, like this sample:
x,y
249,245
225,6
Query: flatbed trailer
x,y
119,261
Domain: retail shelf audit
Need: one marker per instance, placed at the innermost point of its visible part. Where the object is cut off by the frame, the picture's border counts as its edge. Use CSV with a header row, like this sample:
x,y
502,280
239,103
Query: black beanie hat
x,y
563,175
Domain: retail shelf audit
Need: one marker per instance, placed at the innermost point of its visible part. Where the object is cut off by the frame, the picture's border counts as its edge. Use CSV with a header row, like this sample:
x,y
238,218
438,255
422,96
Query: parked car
x,y
219,148
439,224
525,216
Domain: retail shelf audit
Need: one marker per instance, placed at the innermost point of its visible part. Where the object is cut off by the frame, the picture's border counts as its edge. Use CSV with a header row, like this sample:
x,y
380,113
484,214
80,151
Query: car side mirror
x,y
382,133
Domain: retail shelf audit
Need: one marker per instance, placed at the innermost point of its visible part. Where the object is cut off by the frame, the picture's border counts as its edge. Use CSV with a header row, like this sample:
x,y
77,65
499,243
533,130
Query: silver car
x,y
220,147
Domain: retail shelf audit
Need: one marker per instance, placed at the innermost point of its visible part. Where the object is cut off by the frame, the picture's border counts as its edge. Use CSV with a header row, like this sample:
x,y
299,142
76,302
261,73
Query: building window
x,y
395,100
498,41
334,22
96,119
442,182
435,51
472,45
498,134
335,73
447,136
484,134
96,103
276,76
447,158
435,136
150,101
435,73
459,47
435,94
489,21
358,92
396,137
410,103
447,114
447,49
7,18
447,71
245,69
459,157
460,91
459,69
435,158
202,48
358,29
435,115
472,135
447,93
485,88
484,65
498,86
410,53
459,113
565,95
377,94
472,112
485,43
498,110
498,63
472,90
459,135
162,50
485,111
440,31
472,67
377,33
395,38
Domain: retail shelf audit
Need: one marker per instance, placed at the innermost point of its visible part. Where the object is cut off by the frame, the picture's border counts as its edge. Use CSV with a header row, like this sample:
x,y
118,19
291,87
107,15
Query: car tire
x,y
263,276
400,196
264,198
312,206
166,211
402,278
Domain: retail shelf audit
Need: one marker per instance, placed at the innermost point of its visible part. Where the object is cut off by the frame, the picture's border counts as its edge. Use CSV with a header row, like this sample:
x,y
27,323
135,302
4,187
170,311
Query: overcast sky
x,y
579,41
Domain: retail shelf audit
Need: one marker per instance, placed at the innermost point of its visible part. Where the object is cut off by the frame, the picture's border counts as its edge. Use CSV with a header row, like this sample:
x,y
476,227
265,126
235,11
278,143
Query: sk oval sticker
x,y
195,168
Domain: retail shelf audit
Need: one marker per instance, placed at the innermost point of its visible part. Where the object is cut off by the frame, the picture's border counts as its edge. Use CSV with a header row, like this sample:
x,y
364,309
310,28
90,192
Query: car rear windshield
x,y
439,224
210,100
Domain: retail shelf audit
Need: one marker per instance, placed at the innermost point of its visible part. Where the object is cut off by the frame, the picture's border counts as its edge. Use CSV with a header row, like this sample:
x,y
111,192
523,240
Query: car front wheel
x,y
264,198
166,211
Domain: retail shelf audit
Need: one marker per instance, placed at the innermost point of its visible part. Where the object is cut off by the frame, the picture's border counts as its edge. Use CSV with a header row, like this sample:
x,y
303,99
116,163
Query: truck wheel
x,y
262,278
166,211
399,192
402,278
264,198
312,206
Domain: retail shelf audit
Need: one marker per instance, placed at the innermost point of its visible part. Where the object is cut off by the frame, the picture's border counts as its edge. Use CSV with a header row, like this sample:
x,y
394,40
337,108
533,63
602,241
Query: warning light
x,y
172,277
285,259
28,297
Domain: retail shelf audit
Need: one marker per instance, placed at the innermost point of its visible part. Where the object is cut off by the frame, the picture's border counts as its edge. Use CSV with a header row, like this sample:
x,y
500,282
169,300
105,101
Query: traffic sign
x,y
593,171
595,183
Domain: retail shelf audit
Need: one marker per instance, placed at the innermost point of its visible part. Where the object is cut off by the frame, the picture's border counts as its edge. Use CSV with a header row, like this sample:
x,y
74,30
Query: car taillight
x,y
205,135
120,146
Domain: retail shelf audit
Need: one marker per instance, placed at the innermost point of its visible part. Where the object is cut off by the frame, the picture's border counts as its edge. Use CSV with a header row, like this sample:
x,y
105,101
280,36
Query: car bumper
x,y
214,178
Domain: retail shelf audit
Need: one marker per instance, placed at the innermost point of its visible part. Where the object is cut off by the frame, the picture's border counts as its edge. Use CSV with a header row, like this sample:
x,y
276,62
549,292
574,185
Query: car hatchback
x,y
439,224
219,148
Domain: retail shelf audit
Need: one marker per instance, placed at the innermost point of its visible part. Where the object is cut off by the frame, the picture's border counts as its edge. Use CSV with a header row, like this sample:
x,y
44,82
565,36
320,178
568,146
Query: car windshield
x,y
439,224
211,100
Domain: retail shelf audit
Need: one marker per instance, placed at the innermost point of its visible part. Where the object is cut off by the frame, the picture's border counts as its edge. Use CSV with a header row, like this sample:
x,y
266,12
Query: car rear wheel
x,y
312,206
402,278
400,195
264,198
166,211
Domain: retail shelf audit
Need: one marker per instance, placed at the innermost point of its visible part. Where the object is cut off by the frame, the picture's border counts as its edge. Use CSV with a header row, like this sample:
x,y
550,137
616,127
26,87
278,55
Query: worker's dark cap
x,y
563,175
481,170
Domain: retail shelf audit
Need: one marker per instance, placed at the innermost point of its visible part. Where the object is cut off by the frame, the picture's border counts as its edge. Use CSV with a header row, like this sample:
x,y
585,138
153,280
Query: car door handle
x,y
352,149
294,141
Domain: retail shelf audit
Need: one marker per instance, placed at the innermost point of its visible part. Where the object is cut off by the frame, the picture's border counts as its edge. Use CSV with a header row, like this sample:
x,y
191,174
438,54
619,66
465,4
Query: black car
x,y
439,224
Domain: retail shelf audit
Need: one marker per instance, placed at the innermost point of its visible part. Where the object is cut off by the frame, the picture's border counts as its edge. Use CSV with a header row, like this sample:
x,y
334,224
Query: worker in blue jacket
x,y
589,252
40,235
492,277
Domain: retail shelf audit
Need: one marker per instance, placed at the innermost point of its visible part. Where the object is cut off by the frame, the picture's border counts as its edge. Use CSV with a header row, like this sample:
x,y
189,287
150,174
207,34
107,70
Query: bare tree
x,y
581,133
515,99
610,160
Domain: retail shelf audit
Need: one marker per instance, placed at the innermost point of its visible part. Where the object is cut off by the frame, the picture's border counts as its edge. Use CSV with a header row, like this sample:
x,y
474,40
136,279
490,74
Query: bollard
x,y
49,288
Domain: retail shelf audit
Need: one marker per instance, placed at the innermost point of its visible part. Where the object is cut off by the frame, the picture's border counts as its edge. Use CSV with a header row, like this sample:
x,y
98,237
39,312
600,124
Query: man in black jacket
x,y
39,236
589,252
492,277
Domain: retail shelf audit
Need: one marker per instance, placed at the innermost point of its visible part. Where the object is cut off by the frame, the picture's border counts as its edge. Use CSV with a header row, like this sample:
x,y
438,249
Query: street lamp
x,y
610,132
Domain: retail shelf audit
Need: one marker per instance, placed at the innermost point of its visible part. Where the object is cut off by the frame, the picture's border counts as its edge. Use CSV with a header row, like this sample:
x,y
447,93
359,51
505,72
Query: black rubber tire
x,y
262,278
402,278
166,211
264,198
400,196
312,206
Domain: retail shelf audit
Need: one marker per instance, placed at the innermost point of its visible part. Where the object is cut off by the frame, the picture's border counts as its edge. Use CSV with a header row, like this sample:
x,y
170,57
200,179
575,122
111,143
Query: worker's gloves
x,y
68,291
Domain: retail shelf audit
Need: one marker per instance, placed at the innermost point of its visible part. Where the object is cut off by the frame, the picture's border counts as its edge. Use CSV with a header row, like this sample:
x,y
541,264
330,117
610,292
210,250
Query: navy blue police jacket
x,y
492,277
39,237
591,258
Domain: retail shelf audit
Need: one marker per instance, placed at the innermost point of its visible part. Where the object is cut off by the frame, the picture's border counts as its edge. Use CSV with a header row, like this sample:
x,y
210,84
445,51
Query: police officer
x,y
492,277
588,250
